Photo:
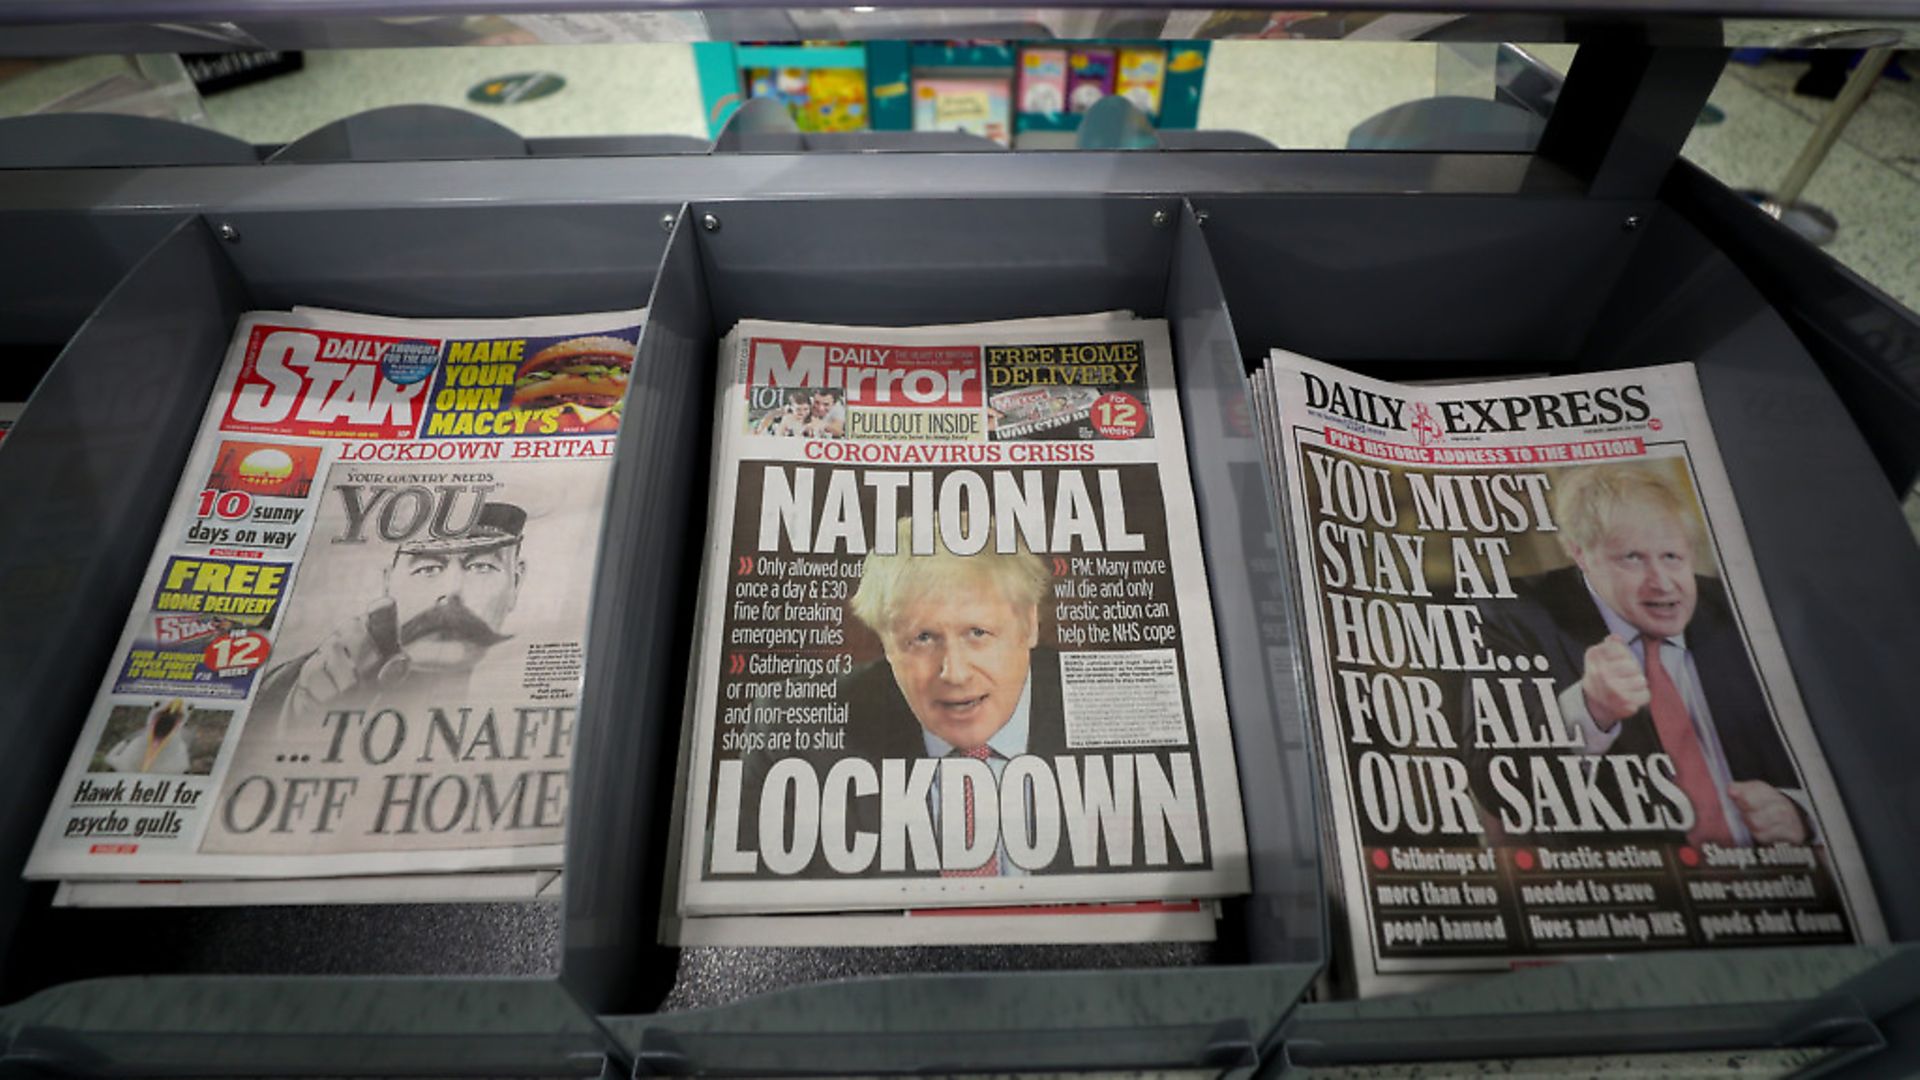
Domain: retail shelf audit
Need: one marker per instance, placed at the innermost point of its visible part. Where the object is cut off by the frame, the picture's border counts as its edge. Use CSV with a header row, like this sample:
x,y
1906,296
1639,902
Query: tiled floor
x,y
1307,95
1870,181
611,90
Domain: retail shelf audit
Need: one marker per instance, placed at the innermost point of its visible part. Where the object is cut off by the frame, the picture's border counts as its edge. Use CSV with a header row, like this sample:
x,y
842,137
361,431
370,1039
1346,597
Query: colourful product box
x,y
975,106
836,100
787,84
1043,80
1143,72
1089,78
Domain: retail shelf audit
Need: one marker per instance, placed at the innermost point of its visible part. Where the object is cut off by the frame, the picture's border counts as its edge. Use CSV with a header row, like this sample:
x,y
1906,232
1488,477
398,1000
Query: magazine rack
x,y
1595,251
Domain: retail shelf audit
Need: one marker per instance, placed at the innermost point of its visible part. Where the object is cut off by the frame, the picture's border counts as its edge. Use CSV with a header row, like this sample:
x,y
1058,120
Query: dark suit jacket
x,y
880,725
1554,616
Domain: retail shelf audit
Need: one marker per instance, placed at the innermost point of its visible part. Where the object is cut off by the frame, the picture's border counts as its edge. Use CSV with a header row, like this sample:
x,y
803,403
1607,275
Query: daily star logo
x,y
174,629
302,382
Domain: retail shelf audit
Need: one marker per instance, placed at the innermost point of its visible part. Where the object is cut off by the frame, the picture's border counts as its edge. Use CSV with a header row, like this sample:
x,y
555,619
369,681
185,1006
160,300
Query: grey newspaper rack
x,y
1595,251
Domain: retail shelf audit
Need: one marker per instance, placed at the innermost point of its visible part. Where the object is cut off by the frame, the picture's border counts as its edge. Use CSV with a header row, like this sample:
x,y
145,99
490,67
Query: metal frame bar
x,y
116,211
35,28
1613,141
95,12
682,178
1625,111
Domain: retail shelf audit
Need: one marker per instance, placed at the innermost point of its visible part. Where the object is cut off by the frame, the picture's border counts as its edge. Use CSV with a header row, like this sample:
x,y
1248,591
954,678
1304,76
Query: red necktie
x,y
992,867
1677,737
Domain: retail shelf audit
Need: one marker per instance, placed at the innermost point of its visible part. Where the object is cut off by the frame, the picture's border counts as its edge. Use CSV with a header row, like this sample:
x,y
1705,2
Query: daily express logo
x,y
299,382
1481,416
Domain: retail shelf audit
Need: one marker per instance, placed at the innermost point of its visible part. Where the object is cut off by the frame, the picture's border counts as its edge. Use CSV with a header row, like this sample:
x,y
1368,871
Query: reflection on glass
x,y
557,80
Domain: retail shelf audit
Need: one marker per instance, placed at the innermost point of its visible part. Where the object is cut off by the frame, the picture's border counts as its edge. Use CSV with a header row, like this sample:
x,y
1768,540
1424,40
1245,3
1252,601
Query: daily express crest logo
x,y
1604,405
327,385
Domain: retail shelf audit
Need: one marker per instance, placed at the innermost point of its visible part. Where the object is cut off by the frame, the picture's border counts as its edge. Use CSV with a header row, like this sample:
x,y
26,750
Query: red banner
x,y
1535,454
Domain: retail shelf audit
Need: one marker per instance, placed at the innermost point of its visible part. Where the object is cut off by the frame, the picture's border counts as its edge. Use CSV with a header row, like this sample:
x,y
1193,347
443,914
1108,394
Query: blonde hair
x,y
1587,501
888,583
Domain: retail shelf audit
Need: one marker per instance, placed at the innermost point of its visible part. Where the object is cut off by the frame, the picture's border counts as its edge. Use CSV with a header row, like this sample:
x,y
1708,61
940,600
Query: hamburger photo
x,y
586,372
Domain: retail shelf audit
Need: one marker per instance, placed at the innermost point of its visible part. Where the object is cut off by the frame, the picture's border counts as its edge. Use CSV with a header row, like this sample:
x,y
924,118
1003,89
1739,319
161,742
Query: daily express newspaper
x,y
358,645
956,645
1555,713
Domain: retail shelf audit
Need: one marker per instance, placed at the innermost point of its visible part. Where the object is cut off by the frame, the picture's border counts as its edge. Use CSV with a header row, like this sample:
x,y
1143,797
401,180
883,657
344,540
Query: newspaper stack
x,y
1489,573
955,656
353,668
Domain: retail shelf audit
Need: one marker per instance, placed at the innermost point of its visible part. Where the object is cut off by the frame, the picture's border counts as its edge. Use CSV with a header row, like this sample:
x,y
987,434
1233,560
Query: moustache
x,y
450,619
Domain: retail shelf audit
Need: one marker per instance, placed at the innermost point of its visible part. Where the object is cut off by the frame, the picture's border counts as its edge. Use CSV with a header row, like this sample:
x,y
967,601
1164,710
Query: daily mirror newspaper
x,y
358,645
956,645
1556,717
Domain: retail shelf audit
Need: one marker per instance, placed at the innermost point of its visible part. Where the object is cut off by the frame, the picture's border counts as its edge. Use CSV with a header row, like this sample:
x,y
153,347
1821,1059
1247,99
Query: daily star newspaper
x,y
1490,572
956,646
358,646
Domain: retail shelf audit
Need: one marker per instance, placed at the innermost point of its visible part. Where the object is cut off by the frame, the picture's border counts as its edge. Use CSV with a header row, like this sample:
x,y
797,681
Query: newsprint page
x,y
956,645
1555,715
358,646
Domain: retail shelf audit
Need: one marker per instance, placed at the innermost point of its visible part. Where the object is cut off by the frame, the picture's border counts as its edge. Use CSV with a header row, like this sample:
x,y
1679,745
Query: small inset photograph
x,y
816,413
260,468
168,737
1016,414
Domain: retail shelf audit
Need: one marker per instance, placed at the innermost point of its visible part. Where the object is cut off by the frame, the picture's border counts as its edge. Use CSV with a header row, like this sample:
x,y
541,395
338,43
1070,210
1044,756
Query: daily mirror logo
x,y
917,376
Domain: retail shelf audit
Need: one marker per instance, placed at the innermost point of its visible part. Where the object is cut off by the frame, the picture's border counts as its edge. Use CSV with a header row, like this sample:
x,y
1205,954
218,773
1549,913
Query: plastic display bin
x,y
907,262
1595,252
88,473
1547,283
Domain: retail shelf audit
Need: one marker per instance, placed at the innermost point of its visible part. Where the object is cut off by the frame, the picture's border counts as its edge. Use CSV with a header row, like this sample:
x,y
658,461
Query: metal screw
x,y
709,223
1200,217
1161,219
666,222
228,233
1632,222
